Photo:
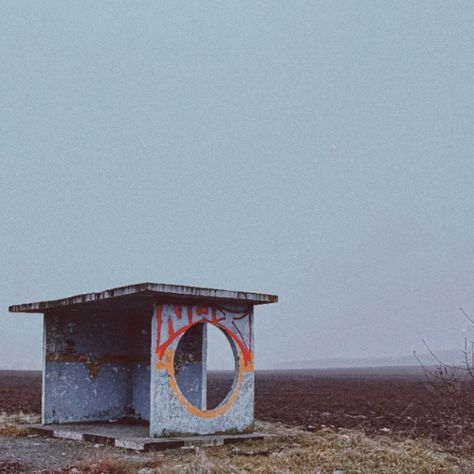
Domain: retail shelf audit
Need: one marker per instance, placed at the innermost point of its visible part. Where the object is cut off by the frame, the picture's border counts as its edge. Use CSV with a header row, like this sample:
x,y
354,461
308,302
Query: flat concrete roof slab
x,y
135,436
147,291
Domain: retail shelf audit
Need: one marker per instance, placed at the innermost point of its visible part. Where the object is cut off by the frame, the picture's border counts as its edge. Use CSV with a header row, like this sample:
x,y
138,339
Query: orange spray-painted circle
x,y
165,356
167,364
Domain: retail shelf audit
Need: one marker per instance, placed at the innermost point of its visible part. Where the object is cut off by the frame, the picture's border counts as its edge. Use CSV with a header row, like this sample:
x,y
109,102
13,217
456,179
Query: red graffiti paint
x,y
237,336
215,319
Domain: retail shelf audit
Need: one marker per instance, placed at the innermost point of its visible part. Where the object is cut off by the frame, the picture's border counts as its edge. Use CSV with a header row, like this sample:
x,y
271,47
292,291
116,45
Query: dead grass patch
x,y
13,424
104,466
297,451
292,450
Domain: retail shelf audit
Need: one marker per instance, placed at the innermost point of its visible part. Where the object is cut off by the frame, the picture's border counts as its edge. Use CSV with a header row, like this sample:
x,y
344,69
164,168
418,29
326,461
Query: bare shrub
x,y
453,385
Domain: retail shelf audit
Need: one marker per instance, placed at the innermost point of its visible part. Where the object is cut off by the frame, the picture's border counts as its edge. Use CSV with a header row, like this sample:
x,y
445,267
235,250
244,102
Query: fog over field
x,y
320,151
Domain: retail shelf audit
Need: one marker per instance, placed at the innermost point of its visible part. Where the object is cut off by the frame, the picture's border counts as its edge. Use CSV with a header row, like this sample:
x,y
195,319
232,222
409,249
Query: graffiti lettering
x,y
218,316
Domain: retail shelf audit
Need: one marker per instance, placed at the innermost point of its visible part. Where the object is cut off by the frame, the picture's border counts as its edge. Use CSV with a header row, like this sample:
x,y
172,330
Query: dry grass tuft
x,y
201,464
104,466
13,424
297,451
113,466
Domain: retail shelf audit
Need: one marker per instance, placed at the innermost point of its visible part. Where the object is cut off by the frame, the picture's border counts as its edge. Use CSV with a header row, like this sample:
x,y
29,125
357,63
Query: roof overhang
x,y
143,292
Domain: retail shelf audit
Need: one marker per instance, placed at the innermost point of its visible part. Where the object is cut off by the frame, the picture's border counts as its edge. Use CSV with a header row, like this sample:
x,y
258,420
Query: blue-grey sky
x,y
322,151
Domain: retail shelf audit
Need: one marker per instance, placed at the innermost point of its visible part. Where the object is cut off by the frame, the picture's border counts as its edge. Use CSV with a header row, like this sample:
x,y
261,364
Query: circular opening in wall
x,y
205,377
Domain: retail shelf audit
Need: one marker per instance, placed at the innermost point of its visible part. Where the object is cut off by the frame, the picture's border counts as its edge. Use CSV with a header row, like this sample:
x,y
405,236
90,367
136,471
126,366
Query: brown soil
x,y
20,391
376,400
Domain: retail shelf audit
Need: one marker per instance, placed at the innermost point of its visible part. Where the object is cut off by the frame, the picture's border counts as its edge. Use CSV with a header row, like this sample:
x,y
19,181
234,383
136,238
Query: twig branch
x,y
466,315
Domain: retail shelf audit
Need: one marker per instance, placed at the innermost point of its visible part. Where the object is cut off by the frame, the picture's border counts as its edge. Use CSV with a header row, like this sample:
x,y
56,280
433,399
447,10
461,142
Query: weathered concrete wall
x,y
96,366
171,411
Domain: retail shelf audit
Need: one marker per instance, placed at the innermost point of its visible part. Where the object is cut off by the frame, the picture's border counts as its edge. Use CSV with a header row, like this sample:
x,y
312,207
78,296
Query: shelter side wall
x,y
172,410
90,362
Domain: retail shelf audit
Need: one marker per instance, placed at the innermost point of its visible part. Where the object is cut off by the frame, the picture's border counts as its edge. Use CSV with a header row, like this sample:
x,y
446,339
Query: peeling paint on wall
x,y
91,366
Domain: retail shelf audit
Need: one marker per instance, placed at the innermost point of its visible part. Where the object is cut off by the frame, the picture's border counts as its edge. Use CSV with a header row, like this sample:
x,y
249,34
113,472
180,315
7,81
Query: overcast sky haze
x,y
322,151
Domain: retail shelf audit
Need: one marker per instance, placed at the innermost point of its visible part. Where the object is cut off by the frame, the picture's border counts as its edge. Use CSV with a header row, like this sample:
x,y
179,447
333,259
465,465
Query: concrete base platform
x,y
134,436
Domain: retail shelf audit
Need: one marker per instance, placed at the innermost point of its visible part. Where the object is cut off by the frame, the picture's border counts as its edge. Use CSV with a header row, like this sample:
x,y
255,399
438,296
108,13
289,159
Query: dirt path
x,y
33,454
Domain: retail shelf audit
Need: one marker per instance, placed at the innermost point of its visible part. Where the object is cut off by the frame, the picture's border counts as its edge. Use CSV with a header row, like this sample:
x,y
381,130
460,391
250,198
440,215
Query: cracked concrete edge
x,y
147,444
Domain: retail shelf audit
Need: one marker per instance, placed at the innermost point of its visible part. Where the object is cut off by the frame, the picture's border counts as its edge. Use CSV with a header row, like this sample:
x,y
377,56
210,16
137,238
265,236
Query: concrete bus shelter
x,y
138,352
